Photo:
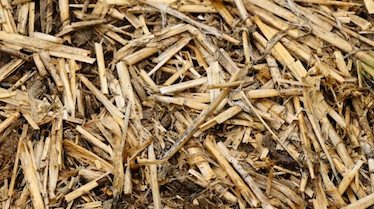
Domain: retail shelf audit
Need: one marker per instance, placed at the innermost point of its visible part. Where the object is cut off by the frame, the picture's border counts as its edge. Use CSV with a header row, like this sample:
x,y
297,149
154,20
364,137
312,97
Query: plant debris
x,y
186,104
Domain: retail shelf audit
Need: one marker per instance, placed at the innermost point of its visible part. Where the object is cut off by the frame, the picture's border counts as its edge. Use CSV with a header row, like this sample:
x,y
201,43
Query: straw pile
x,y
186,104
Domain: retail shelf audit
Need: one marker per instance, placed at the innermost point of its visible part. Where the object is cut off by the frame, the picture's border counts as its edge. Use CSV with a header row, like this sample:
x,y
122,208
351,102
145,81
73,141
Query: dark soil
x,y
8,150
